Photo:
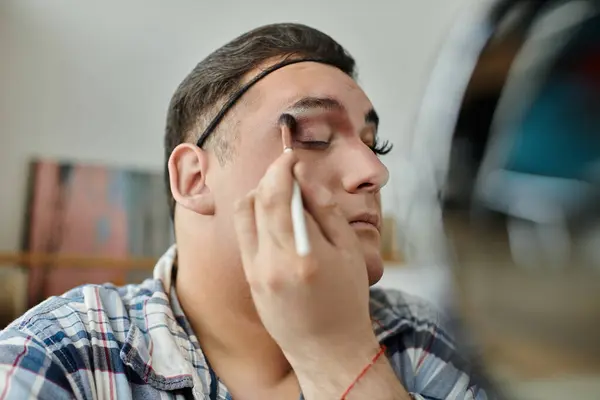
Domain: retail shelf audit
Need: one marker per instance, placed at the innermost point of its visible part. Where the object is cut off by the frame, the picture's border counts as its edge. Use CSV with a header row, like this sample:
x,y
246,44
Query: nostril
x,y
366,185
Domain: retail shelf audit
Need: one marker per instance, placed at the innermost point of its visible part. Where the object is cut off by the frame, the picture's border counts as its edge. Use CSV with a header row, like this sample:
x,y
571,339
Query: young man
x,y
233,311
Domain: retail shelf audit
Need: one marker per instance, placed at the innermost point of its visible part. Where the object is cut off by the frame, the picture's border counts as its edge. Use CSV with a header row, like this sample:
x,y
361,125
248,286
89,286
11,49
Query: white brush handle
x,y
299,222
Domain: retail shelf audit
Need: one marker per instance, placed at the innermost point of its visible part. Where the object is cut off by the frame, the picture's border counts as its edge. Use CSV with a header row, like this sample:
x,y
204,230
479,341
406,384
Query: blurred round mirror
x,y
510,131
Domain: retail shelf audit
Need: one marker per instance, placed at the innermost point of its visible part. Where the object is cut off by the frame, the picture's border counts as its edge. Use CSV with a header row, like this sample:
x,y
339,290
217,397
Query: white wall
x,y
91,81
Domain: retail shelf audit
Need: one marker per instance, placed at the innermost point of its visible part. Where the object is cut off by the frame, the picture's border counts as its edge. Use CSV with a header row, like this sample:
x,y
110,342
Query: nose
x,y
363,171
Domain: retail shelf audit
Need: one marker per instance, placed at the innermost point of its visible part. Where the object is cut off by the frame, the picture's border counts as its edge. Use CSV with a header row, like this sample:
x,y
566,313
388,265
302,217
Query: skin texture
x,y
238,273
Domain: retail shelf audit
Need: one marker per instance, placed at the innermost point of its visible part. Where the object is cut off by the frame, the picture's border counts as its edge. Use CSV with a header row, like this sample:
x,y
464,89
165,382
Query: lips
x,y
367,218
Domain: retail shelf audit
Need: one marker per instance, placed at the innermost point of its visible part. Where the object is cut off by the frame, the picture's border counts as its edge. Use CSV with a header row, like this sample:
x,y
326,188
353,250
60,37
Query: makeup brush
x,y
288,126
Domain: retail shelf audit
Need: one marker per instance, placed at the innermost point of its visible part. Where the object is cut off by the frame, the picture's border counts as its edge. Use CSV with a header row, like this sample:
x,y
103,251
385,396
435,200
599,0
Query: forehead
x,y
285,86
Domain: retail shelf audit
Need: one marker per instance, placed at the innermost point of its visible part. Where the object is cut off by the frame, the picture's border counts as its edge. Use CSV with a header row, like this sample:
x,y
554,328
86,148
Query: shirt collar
x,y
165,267
385,318
162,348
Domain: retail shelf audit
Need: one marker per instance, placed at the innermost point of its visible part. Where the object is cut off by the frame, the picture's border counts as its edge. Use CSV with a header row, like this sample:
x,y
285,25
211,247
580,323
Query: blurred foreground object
x,y
511,126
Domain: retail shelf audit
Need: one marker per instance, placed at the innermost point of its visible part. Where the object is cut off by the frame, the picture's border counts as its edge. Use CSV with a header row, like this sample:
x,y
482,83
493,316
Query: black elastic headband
x,y
236,96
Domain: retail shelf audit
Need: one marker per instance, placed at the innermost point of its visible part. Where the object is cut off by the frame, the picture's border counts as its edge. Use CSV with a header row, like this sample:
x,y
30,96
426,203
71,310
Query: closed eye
x,y
315,136
313,144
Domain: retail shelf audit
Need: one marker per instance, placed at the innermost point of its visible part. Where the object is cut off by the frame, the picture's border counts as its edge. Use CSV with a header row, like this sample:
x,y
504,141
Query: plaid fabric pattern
x,y
134,342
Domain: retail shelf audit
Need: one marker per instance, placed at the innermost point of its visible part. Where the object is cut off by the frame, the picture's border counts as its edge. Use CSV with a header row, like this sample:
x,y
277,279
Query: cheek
x,y
246,171
320,168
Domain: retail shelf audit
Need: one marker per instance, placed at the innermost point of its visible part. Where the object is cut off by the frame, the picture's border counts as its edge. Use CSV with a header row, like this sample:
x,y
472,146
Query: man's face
x,y
336,128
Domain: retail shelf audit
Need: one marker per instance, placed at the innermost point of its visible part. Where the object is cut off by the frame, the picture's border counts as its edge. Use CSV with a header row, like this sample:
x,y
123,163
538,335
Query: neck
x,y
216,300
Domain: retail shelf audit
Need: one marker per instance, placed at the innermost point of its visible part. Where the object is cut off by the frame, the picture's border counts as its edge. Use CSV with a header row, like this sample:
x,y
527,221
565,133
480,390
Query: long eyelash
x,y
381,148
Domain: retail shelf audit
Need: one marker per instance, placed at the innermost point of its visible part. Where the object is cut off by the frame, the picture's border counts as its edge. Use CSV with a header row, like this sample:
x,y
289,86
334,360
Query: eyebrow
x,y
330,104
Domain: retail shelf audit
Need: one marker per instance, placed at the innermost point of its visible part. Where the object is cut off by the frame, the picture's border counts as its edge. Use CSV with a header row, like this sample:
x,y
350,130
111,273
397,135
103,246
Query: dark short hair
x,y
216,78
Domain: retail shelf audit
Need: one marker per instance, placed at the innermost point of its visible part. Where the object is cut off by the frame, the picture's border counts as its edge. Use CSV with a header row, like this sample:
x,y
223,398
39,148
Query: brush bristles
x,y
289,121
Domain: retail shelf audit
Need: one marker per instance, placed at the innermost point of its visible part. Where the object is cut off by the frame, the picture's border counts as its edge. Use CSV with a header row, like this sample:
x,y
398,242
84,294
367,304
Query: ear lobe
x,y
188,165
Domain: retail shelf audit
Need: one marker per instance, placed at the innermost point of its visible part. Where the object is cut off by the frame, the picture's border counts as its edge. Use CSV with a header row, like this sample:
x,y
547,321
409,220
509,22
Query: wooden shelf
x,y
28,260
82,261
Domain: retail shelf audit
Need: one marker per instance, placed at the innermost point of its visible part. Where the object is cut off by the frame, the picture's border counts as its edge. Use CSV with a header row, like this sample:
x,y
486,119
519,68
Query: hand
x,y
315,307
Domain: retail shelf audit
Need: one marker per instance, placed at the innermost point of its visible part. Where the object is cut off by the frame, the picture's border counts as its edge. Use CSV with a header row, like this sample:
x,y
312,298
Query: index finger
x,y
273,203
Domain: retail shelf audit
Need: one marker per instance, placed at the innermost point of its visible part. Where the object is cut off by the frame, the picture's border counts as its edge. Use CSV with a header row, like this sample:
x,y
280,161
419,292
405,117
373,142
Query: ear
x,y
188,165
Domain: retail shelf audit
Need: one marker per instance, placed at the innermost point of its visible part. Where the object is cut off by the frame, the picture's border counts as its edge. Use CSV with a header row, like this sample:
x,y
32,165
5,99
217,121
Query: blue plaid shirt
x,y
134,342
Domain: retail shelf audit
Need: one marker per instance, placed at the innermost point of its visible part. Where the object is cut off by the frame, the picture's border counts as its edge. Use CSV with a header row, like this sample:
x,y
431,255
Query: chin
x,y
374,264
371,249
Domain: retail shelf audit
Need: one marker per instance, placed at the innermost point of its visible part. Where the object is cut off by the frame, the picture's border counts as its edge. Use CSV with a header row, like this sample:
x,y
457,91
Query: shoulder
x,y
422,348
87,308
402,303
398,312
66,337
407,322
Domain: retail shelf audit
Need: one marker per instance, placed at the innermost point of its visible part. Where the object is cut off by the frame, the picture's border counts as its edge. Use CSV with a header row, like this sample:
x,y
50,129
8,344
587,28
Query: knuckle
x,y
271,199
244,204
323,198
241,206
348,254
252,280
273,282
264,282
306,271
330,206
